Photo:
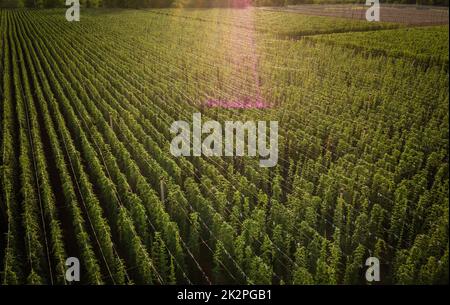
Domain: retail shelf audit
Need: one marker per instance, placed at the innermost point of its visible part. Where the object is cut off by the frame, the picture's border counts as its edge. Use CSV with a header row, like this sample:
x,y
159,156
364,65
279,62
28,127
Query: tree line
x,y
196,3
122,3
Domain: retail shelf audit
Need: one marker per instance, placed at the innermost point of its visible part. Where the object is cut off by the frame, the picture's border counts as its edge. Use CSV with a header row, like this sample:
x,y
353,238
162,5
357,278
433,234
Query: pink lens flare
x,y
243,53
241,86
237,104
240,3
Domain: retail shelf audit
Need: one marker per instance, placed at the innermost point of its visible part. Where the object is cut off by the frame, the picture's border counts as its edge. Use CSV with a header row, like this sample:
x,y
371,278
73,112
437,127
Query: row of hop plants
x,y
77,190
12,273
397,142
169,188
87,144
107,191
132,121
35,250
47,206
425,45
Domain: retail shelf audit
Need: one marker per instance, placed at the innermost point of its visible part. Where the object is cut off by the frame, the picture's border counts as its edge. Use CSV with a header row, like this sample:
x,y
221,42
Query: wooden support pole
x,y
162,189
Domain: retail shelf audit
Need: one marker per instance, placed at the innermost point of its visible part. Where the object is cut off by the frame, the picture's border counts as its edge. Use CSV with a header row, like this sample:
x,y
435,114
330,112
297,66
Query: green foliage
x,y
86,167
424,44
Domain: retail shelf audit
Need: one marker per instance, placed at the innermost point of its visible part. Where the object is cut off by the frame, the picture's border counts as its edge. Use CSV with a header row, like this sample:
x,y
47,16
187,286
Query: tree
x,y
54,3
12,3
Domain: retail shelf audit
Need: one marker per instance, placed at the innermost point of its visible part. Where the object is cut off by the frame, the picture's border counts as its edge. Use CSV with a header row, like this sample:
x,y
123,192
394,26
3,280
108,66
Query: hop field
x,y
422,44
86,168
